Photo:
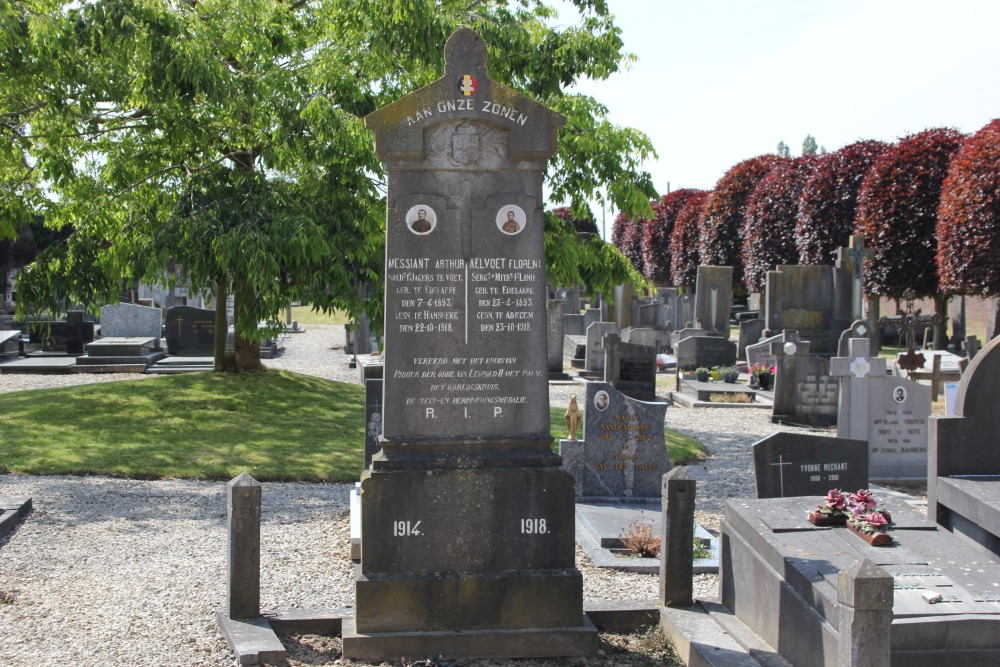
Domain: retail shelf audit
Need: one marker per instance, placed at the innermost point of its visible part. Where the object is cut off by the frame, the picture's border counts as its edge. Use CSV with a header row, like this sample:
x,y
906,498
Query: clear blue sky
x,y
719,81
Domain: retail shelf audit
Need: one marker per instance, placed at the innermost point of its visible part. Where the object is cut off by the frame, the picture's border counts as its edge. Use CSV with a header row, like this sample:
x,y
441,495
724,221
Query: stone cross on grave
x,y
908,323
852,258
855,371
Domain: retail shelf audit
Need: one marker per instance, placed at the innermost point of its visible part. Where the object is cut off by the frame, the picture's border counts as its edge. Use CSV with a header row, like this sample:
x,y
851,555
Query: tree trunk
x,y
221,327
247,351
941,328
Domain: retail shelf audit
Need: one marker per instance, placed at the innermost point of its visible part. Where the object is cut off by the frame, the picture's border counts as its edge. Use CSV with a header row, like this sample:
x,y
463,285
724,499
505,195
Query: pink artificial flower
x,y
876,519
863,498
835,499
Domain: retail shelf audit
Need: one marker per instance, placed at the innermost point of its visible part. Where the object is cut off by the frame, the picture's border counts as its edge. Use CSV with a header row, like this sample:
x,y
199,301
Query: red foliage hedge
x,y
719,238
629,234
684,240
968,227
769,220
897,212
657,234
829,201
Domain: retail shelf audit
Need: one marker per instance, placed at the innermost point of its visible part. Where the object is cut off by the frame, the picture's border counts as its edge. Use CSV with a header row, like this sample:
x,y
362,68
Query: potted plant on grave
x,y
729,374
762,375
702,374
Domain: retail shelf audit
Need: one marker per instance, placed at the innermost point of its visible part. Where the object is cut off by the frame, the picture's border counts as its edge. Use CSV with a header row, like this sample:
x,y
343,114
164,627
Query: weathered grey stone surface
x,y
865,597
467,518
555,326
751,332
781,576
128,320
804,390
963,474
677,335
677,560
812,299
658,339
760,353
190,331
714,299
252,640
373,418
704,351
8,341
623,453
630,368
802,464
595,344
889,412
858,329
12,510
243,566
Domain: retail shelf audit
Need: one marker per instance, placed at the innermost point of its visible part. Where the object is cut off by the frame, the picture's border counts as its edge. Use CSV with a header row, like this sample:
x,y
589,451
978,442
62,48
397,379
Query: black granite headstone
x,y
704,351
70,335
799,464
630,368
190,331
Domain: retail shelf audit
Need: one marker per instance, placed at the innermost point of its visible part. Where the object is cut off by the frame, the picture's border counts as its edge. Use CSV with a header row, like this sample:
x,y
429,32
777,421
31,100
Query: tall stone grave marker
x,y
630,368
889,412
467,515
595,344
714,299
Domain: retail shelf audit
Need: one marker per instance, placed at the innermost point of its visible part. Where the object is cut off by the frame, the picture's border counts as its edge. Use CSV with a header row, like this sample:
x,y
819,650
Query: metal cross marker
x,y
781,473
909,321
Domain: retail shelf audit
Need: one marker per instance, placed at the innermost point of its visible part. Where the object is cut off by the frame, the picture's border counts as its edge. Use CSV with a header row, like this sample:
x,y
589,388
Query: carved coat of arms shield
x,y
465,144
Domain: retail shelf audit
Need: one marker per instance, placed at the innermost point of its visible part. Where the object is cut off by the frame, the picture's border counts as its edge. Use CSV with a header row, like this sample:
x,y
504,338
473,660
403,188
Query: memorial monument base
x,y
578,641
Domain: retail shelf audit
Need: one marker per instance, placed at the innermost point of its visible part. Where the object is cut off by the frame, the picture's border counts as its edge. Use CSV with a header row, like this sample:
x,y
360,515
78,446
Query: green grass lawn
x,y
306,316
275,425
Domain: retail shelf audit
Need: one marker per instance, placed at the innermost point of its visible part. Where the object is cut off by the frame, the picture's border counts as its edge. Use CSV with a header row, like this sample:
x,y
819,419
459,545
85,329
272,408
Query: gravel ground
x,y
127,572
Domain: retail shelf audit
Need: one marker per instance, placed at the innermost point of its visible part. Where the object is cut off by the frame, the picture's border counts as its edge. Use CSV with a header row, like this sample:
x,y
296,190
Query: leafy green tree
x,y
227,135
783,150
809,146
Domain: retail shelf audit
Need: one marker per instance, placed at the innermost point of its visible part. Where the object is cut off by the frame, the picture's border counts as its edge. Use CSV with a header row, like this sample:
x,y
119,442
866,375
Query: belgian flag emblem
x,y
467,85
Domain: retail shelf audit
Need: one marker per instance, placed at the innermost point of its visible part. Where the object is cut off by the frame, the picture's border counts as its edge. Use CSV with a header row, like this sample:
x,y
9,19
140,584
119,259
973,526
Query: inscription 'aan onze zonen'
x,y
468,106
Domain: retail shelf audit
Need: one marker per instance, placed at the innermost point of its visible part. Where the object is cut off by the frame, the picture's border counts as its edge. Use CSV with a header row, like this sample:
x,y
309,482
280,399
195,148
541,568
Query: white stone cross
x,y
781,472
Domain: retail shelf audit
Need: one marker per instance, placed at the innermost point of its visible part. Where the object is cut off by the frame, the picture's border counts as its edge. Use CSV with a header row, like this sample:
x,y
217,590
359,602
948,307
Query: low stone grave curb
x,y
686,400
12,510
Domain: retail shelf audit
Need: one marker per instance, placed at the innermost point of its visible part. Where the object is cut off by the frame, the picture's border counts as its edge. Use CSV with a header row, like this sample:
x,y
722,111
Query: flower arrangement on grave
x,y
729,373
702,374
859,511
762,374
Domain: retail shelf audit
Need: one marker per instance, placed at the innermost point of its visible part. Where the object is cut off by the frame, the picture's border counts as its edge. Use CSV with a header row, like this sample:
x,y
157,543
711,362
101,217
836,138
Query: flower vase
x,y
821,519
764,381
877,539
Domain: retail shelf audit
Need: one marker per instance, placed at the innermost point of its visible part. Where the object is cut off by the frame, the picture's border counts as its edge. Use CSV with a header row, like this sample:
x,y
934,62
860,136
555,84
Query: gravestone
x,y
190,331
555,339
595,344
128,320
704,351
630,368
858,329
804,390
373,418
679,334
623,453
760,353
467,545
888,412
649,313
69,336
963,475
750,334
658,339
714,299
802,464
576,324
9,341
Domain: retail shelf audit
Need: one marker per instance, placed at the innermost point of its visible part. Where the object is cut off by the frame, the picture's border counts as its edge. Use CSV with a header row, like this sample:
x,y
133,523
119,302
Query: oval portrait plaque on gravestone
x,y
421,219
511,220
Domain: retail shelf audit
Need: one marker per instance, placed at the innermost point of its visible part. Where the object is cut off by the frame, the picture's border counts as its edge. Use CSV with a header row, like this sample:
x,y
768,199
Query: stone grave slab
x,y
190,331
623,453
704,351
782,582
12,510
67,336
802,464
677,335
575,347
703,391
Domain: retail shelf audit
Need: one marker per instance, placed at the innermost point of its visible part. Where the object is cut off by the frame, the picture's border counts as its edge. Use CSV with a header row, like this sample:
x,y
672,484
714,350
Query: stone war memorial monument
x,y
467,538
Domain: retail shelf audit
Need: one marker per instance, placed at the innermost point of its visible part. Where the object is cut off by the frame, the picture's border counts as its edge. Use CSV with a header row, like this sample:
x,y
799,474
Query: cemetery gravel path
x,y
111,571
